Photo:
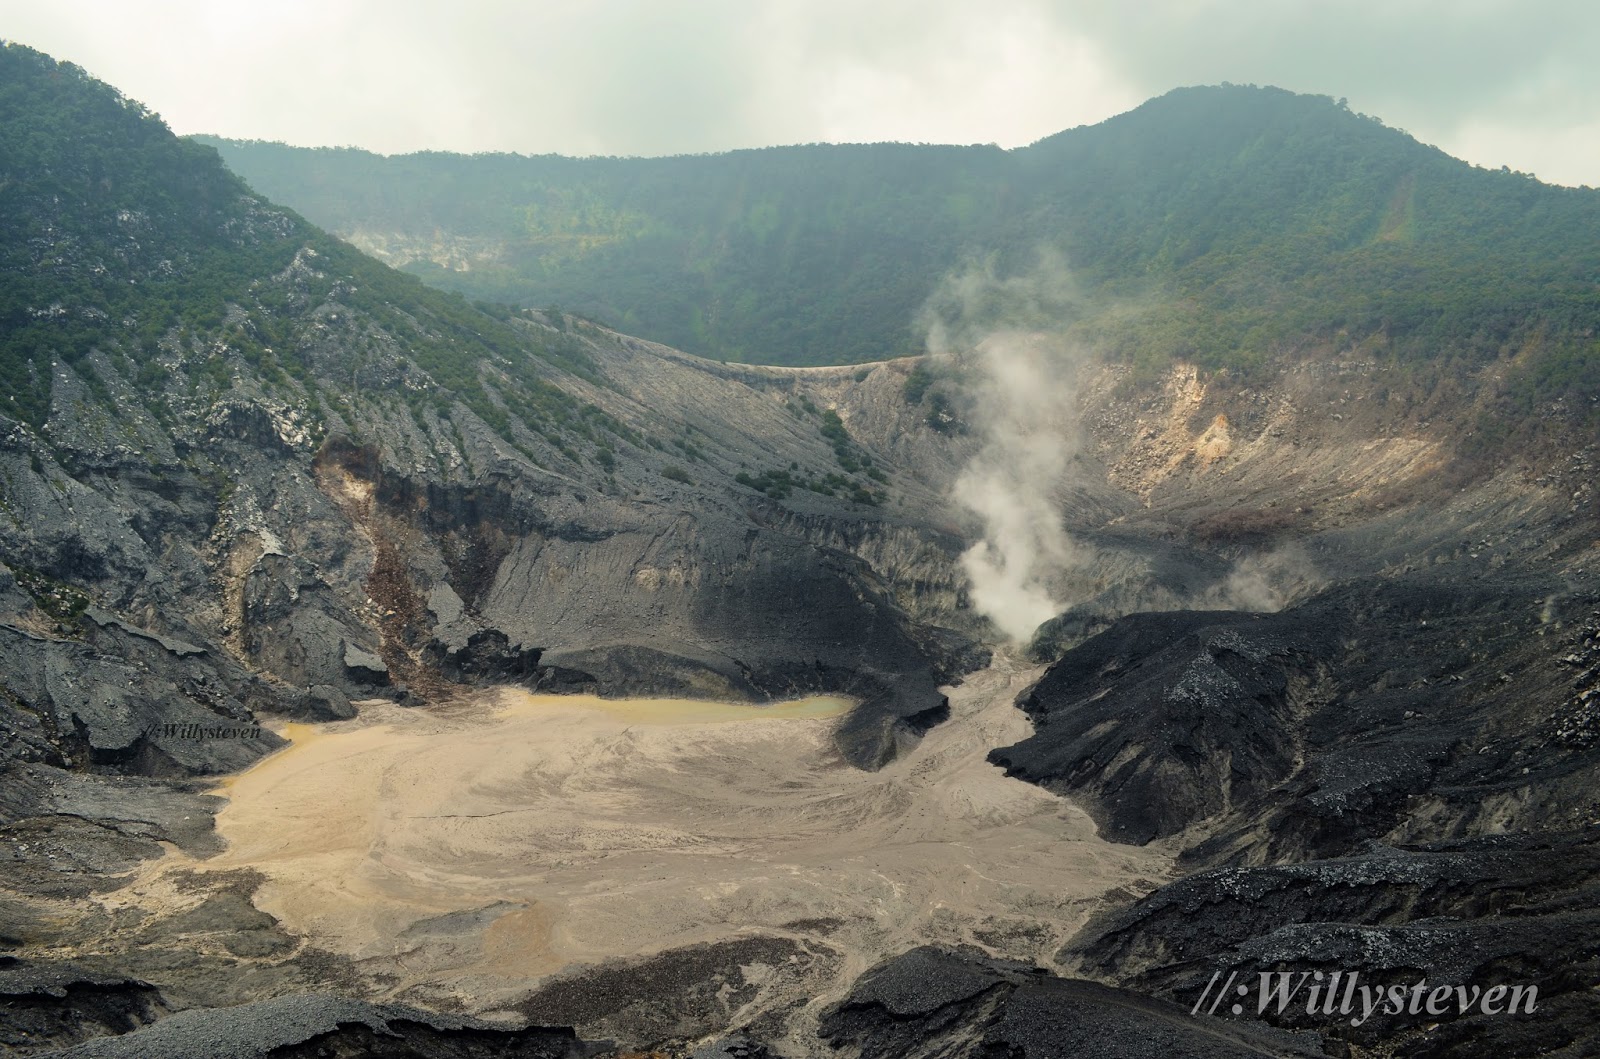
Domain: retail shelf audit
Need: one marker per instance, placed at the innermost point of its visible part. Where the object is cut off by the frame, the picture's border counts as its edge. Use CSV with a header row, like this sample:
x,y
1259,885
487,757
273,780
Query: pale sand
x,y
467,852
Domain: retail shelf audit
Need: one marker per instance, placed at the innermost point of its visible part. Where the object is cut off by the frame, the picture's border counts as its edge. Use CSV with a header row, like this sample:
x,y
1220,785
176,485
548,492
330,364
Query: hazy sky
x,y
1499,82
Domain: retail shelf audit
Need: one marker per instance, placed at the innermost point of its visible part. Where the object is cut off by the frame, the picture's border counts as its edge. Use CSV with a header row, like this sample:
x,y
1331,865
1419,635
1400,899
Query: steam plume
x,y
999,330
1266,582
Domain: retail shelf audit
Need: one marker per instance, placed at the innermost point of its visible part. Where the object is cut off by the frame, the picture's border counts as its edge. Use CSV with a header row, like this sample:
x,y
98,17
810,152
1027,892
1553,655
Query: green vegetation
x,y
688,448
775,484
108,224
779,484
117,236
845,450
64,603
1227,226
917,382
942,415
677,474
737,257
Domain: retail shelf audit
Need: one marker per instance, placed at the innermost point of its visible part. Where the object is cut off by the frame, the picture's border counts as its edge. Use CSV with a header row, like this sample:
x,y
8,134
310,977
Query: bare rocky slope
x,y
1328,644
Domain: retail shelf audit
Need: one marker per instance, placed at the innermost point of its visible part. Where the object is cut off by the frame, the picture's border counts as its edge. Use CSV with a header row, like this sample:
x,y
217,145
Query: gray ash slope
x,y
932,1002
251,474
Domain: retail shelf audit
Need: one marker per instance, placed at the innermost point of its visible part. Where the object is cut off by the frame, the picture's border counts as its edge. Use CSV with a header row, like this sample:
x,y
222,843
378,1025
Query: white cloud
x,y
1569,155
1004,77
1502,82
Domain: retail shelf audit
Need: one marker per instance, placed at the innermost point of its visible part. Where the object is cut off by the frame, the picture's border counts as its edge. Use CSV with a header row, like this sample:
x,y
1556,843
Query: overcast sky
x,y
1498,82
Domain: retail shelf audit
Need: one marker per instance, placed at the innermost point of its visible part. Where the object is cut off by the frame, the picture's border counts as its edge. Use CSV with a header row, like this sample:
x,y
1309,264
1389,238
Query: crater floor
x,y
459,854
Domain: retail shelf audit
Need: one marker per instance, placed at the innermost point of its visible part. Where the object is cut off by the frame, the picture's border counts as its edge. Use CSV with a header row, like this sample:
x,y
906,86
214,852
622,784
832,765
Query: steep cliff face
x,y
389,556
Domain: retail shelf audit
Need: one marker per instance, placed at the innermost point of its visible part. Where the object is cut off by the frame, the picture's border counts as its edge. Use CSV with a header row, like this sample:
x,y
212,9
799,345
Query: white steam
x,y
1266,582
998,332
1011,485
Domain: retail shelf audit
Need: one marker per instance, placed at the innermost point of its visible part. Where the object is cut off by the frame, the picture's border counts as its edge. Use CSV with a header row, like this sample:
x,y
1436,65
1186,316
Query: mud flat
x,y
459,855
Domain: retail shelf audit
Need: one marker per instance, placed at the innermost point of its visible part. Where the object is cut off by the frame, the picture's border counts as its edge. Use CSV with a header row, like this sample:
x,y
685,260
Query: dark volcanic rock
x,y
297,627
123,700
324,702
1500,910
733,1046
67,834
485,656
363,666
1310,731
47,1007
678,995
1199,715
322,1027
933,1002
1329,761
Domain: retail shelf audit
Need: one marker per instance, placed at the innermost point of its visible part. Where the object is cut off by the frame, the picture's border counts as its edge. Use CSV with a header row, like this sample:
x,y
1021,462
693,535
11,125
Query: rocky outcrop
x,y
1513,910
303,1027
933,1002
127,701
1391,780
1199,717
45,1008
681,995
1406,706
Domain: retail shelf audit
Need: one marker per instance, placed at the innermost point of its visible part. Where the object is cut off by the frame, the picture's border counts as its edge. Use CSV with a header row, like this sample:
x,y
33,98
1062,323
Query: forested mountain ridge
x,y
117,236
1222,225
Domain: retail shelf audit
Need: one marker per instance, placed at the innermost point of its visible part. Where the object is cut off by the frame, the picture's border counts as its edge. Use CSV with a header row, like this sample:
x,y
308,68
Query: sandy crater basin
x,y
468,851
